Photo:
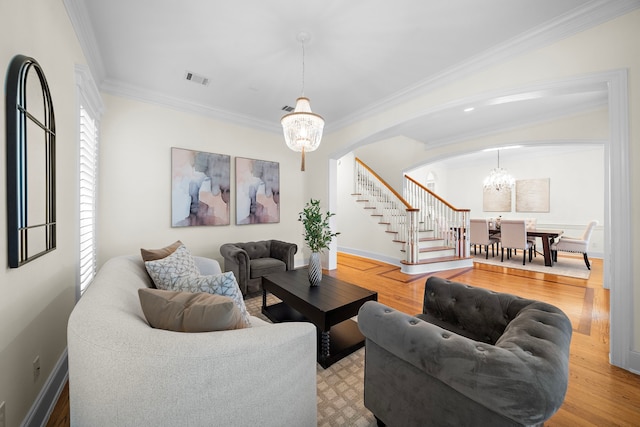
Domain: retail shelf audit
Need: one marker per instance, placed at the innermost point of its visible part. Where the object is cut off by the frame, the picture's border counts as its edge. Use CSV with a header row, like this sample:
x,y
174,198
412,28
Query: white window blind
x,y
87,203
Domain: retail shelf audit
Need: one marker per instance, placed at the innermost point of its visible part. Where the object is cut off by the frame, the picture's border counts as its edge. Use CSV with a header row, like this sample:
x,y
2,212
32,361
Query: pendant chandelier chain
x,y
302,67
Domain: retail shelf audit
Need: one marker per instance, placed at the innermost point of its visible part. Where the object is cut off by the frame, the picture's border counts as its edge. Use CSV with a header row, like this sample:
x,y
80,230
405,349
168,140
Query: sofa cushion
x,y
165,272
155,254
221,284
189,312
263,266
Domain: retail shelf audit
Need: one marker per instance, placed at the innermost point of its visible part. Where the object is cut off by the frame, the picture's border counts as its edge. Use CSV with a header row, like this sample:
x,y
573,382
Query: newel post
x,y
412,249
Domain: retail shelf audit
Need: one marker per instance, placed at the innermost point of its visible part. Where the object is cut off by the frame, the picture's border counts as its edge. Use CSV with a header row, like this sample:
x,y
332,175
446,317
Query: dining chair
x,y
575,244
513,235
480,236
531,224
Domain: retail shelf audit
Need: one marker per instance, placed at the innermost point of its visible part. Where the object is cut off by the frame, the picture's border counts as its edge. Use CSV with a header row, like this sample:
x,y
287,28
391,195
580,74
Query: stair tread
x,y
435,249
436,260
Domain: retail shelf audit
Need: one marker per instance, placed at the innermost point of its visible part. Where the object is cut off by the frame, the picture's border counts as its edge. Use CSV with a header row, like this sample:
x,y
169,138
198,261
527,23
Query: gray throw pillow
x,y
154,254
189,312
221,284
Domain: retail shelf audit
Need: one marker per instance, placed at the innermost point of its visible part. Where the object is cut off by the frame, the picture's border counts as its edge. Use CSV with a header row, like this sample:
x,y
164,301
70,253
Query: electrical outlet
x,y
3,421
36,368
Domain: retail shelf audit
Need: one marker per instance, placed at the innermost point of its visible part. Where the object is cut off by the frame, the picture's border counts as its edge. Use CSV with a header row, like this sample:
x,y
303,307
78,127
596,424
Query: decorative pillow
x,y
155,254
188,312
167,271
220,284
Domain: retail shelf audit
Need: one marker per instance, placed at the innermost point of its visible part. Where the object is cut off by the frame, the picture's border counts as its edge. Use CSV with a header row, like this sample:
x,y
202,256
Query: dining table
x,y
547,237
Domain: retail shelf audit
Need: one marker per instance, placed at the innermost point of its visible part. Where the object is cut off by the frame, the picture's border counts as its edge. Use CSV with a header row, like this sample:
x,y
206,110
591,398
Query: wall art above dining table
x,y
531,195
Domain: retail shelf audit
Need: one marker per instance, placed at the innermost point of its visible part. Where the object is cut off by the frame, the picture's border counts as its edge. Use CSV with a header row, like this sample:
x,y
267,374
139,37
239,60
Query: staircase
x,y
428,231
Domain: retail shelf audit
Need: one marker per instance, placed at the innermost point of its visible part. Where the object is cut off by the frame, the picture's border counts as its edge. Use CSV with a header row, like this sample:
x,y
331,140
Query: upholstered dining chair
x,y
531,224
480,236
513,235
575,244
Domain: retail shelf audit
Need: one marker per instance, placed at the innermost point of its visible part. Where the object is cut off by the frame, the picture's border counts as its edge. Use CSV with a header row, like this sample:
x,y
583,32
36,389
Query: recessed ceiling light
x,y
469,109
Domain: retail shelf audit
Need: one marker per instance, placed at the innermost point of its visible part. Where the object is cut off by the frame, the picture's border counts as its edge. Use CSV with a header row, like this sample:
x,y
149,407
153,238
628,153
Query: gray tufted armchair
x,y
473,357
251,260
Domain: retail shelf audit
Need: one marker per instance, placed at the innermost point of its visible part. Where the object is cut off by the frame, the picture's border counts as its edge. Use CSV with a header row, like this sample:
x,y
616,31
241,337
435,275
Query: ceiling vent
x,y
196,78
287,108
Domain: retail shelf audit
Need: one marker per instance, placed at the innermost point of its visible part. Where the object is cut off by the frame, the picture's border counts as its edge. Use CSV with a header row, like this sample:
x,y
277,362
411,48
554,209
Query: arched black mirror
x,y
31,160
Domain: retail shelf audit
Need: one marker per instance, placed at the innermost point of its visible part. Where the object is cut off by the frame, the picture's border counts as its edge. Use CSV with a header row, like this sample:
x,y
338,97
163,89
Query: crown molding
x,y
81,23
152,97
587,16
590,15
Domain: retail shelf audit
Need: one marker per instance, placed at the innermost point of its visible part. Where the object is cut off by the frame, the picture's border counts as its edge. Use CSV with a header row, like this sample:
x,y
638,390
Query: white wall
x,y
134,207
38,297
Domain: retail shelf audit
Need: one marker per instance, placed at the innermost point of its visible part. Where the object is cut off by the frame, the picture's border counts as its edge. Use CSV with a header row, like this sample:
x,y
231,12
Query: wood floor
x,y
599,394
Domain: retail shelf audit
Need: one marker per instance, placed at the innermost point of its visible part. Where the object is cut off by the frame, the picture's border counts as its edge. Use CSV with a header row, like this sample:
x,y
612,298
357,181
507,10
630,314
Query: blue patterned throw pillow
x,y
167,271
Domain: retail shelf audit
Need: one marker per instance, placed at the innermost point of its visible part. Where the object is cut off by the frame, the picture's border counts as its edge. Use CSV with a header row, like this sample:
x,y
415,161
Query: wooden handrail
x,y
383,182
435,195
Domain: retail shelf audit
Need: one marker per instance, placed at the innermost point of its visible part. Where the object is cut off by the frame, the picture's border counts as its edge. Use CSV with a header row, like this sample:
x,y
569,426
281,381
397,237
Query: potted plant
x,y
317,236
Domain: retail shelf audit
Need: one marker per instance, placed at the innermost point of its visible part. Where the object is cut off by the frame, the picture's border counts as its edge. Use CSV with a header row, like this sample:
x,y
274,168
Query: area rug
x,y
565,266
340,386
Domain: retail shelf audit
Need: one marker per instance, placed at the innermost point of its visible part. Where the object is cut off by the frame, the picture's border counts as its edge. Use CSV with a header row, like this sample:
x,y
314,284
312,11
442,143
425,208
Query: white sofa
x,y
122,372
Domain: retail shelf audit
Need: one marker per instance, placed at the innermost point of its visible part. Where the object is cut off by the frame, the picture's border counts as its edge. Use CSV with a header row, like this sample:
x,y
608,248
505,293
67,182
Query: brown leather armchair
x,y
251,260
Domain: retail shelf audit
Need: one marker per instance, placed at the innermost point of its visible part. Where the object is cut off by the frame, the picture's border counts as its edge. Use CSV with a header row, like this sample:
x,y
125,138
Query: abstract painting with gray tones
x,y
257,191
200,188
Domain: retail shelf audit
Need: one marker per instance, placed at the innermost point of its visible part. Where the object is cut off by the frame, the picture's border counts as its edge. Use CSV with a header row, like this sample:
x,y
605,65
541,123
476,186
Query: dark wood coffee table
x,y
330,306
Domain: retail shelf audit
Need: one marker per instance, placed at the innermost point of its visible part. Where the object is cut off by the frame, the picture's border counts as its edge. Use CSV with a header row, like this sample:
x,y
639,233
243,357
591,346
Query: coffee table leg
x,y
325,339
264,298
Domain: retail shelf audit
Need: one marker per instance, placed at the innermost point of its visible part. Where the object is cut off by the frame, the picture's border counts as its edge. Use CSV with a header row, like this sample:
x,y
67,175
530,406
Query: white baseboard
x,y
46,401
371,255
634,362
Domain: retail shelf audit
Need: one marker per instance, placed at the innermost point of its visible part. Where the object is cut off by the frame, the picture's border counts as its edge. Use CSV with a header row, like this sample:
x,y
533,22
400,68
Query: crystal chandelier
x,y
302,128
498,179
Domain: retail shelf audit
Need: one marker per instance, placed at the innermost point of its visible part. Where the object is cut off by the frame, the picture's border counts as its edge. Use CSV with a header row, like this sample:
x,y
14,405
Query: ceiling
x,y
361,56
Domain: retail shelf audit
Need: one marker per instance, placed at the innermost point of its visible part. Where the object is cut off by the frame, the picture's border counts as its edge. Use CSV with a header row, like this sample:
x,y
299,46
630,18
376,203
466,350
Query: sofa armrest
x,y
506,378
207,266
284,252
237,260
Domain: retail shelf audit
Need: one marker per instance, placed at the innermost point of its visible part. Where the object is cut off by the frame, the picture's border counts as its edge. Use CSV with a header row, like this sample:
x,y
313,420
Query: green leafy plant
x,y
317,233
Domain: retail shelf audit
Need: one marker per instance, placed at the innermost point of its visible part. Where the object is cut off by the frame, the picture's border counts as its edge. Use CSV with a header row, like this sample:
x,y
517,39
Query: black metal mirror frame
x,y
21,231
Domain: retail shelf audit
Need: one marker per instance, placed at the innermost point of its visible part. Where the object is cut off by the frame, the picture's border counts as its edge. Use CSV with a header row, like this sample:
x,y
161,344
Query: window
x,y
31,163
89,110
87,196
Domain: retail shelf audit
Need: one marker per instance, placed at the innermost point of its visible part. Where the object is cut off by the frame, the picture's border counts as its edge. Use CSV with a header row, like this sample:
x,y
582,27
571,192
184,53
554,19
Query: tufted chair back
x,y
256,250
475,313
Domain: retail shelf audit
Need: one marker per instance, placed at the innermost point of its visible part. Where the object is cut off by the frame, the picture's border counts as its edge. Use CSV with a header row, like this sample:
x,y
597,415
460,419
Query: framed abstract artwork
x,y
257,191
532,195
200,188
496,201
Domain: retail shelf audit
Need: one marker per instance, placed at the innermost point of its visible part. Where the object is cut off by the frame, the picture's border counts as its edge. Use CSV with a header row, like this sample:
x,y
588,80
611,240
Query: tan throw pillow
x,y
155,254
189,312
